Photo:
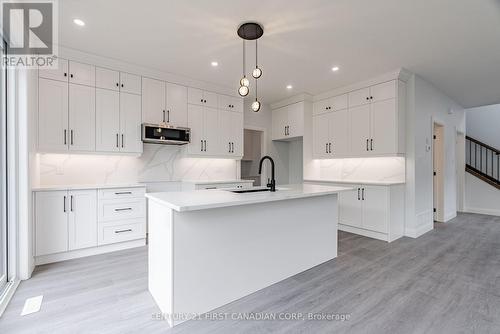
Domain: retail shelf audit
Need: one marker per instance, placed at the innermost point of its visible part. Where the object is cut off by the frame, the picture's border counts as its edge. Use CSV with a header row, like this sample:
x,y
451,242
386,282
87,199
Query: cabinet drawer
x,y
121,209
118,193
114,232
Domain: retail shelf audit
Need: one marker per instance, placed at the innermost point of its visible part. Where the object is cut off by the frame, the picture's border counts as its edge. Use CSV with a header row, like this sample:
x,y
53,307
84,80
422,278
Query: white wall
x,y
426,105
277,150
480,197
483,124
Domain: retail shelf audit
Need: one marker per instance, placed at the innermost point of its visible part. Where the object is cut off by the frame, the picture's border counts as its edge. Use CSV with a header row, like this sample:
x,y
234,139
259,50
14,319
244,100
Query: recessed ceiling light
x,y
289,87
79,22
214,64
335,68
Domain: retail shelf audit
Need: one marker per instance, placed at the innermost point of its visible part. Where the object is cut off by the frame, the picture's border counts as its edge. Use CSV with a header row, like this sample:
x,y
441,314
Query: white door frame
x,y
460,168
438,166
263,150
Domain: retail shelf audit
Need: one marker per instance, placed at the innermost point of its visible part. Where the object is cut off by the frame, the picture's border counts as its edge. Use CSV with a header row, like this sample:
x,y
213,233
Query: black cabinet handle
x,y
229,150
205,101
64,204
71,136
367,145
117,85
123,231
363,194
122,85
123,209
65,133
205,145
359,198
168,116
201,149
163,115
371,144
71,75
330,147
123,193
367,98
371,97
201,100
65,74
233,146
326,147
122,140
71,203
117,140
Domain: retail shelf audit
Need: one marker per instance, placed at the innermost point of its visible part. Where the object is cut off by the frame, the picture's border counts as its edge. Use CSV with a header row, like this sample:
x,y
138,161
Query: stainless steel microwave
x,y
161,134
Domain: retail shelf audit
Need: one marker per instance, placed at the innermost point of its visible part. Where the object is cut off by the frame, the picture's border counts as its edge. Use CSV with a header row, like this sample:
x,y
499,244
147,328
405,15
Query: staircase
x,y
482,161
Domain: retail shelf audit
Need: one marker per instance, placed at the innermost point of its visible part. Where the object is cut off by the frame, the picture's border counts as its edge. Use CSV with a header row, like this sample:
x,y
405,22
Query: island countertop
x,y
218,198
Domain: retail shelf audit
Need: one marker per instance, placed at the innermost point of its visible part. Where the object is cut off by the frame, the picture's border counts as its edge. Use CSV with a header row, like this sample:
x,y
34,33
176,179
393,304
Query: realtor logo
x,y
30,30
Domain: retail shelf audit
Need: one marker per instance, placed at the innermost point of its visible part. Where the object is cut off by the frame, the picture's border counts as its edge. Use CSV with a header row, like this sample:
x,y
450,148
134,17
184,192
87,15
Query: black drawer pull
x,y
123,209
123,231
124,193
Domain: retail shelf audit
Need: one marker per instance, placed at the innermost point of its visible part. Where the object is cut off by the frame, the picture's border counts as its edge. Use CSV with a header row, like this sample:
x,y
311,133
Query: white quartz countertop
x,y
367,182
201,182
86,186
218,198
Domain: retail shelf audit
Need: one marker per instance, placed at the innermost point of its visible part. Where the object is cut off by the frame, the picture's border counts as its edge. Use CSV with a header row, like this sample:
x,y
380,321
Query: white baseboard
x,y
482,211
449,216
50,258
425,223
7,295
363,232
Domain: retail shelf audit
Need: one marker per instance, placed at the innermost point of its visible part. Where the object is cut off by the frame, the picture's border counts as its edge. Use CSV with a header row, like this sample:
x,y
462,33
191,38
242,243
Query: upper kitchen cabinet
x,y
59,74
331,134
332,104
288,121
118,81
231,133
82,74
164,102
52,115
204,124
202,98
230,103
81,118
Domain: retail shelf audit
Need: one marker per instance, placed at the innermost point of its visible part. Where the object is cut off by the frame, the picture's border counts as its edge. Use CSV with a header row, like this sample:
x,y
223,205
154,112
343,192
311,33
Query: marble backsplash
x,y
357,169
158,163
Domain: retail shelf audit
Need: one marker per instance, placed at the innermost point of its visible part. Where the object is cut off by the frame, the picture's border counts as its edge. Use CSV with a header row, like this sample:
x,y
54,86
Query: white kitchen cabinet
x,y
384,127
107,79
82,74
81,118
230,103
52,115
383,91
211,131
359,97
107,120
205,132
51,217
351,207
59,74
130,83
164,102
360,129
202,98
331,134
82,219
332,104
231,133
375,208
288,121
130,123
196,123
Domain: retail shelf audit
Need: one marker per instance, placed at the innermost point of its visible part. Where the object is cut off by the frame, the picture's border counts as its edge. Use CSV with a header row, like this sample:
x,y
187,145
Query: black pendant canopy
x,y
250,31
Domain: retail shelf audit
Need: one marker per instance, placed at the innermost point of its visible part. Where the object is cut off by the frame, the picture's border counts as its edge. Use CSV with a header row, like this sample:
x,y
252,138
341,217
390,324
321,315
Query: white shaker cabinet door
x,y
237,133
295,120
130,123
339,133
351,208
51,222
225,133
384,130
82,219
279,123
153,101
107,79
321,135
107,120
130,83
375,208
360,130
52,115
59,74
81,118
176,110
82,74
195,122
211,131
359,97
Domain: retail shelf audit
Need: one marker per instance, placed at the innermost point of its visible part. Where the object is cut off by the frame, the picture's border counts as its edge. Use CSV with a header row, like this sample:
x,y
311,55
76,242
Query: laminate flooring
x,y
446,281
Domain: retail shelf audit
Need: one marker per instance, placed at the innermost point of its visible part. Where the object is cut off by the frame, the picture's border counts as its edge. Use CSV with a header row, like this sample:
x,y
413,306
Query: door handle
x,y
367,145
64,204
71,203
71,136
65,135
371,144
363,194
359,198
122,140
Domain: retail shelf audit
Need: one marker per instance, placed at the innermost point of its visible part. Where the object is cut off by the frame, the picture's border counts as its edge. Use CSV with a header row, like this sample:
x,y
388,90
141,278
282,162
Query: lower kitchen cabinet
x,y
373,211
69,222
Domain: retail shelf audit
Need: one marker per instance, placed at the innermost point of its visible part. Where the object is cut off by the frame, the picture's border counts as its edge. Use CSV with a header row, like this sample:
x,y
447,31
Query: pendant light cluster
x,y
250,31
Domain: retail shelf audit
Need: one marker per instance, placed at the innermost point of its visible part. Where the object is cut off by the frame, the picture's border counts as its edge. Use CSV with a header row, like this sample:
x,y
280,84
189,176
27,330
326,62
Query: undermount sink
x,y
249,190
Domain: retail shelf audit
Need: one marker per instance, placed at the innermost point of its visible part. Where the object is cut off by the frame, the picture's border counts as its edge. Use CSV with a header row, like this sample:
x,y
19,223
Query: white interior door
x,y
375,208
130,123
52,115
350,207
384,127
195,122
339,133
153,101
82,219
51,222
176,105
107,120
211,130
81,118
360,129
321,135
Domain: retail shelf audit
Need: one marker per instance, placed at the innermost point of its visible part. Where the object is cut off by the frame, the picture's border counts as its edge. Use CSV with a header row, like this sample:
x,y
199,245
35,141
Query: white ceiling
x,y
454,44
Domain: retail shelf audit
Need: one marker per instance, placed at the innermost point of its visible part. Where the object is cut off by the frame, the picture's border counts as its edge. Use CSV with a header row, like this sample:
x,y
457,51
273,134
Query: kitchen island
x,y
210,247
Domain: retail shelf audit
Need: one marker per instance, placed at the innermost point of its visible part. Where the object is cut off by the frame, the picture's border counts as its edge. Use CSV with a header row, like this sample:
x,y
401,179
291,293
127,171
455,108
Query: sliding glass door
x,y
3,174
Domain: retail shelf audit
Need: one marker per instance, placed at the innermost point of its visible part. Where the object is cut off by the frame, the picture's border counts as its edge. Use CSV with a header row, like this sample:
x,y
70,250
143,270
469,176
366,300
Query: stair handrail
x,y
491,148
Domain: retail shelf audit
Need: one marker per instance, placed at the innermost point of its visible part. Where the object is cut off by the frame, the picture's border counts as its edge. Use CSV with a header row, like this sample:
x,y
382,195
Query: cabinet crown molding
x,y
292,100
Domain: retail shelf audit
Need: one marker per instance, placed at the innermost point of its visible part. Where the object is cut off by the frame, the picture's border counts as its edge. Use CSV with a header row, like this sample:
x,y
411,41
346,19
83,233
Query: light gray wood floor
x,y
447,281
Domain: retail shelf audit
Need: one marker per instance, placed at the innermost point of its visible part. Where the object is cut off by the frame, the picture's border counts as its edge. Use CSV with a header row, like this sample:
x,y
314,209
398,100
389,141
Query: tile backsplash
x,y
157,163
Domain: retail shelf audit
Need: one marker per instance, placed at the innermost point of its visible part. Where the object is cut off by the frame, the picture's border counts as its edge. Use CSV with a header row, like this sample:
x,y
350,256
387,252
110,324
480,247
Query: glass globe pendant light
x,y
257,72
256,103
244,82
